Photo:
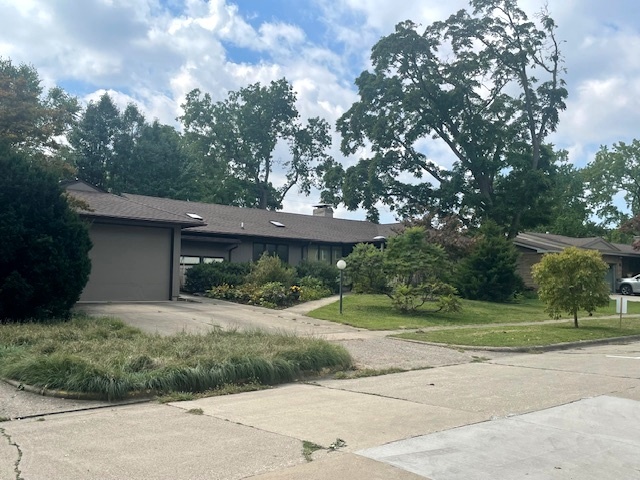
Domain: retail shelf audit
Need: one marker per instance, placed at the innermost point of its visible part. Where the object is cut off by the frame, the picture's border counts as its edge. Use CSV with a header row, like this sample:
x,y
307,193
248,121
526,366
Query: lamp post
x,y
381,239
341,266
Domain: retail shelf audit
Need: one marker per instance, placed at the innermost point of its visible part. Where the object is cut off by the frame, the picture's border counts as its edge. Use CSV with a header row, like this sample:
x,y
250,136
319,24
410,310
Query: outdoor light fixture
x,y
341,266
381,239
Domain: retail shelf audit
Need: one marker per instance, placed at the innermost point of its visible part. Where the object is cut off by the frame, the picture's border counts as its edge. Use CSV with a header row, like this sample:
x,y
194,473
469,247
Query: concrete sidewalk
x,y
471,421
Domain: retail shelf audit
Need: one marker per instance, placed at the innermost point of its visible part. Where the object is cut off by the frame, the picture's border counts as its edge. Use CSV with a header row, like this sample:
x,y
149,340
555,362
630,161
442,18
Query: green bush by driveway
x,y
110,359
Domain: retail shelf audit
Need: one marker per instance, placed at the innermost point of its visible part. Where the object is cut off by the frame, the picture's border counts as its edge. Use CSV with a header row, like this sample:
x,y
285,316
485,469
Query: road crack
x,y
16,465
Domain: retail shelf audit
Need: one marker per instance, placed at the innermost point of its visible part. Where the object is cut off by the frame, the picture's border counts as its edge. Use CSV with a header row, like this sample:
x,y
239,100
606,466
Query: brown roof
x,y
107,205
546,242
237,221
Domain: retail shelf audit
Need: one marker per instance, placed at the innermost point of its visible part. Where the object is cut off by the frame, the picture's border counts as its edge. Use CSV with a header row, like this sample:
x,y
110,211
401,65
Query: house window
x,y
324,254
280,250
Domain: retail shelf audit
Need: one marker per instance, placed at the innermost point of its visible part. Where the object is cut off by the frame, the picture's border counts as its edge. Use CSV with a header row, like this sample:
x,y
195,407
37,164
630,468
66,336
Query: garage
x,y
129,263
135,255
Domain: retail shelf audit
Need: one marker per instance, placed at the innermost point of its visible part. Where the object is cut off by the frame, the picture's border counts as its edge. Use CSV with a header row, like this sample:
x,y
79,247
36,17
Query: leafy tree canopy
x,y
119,151
234,140
488,84
32,120
614,170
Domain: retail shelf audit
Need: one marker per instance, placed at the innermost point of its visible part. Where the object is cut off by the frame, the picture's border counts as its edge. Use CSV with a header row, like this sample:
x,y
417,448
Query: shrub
x,y
489,272
44,246
312,288
408,298
201,278
273,294
365,269
418,270
270,295
271,269
326,273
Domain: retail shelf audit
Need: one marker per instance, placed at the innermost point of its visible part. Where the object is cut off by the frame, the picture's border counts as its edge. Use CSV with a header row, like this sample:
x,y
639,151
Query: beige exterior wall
x,y
132,263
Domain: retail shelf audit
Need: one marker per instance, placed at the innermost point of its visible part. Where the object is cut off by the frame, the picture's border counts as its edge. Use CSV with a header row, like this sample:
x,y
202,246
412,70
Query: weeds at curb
x,y
308,448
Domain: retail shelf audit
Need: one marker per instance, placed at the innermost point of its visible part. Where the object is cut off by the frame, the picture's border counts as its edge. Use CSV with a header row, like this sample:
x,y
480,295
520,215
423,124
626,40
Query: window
x,y
324,254
276,224
195,216
212,259
280,250
188,261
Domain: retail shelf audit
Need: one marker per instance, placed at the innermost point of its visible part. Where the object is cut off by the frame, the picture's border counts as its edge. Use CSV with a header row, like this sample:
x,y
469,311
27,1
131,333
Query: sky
x,y
153,52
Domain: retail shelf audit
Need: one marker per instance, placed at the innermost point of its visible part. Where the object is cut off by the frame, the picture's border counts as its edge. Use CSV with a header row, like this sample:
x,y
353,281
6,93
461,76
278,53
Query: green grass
x,y
375,312
530,335
107,358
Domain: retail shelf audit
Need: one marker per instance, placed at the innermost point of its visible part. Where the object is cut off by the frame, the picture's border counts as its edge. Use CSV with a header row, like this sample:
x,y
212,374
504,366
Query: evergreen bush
x,y
44,246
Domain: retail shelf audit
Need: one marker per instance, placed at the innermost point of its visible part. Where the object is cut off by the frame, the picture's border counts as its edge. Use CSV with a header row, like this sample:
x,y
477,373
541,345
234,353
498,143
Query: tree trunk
x,y
575,319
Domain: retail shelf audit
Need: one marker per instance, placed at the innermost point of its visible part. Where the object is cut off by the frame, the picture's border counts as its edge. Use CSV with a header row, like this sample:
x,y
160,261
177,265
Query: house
x,y
142,243
136,249
622,259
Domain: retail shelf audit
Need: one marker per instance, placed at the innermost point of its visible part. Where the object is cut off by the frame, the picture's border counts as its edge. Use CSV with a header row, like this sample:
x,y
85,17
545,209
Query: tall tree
x,y
93,140
235,140
614,171
468,82
32,120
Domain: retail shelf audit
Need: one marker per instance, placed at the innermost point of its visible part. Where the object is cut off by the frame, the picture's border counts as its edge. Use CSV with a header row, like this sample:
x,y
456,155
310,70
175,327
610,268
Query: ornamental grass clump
x,y
108,359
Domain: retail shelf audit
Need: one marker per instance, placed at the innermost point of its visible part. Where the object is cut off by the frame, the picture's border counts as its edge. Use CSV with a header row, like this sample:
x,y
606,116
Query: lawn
x,y
111,360
530,335
374,312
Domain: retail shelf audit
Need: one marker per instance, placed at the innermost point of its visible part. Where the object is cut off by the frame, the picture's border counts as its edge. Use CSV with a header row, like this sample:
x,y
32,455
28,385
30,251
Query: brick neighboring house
x,y
622,259
142,244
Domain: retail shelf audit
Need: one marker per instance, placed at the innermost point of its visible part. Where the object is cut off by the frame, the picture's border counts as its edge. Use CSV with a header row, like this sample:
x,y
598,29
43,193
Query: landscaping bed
x,y
111,360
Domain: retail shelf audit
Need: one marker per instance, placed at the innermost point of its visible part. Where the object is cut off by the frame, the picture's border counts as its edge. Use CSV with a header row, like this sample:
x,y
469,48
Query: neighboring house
x,y
622,259
142,243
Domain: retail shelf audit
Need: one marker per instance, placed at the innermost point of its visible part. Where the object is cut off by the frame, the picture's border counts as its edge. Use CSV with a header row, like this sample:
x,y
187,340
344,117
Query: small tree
x,y
365,269
418,272
44,263
489,272
570,281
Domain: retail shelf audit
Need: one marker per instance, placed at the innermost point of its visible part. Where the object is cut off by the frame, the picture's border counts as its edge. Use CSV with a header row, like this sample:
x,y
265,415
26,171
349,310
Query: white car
x,y
629,286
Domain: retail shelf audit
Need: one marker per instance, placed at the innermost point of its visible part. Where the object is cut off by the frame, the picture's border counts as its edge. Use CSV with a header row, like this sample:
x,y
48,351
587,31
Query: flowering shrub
x,y
270,295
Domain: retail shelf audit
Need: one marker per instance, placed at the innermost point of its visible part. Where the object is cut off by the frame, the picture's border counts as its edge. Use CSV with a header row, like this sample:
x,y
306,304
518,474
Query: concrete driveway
x,y
557,415
205,313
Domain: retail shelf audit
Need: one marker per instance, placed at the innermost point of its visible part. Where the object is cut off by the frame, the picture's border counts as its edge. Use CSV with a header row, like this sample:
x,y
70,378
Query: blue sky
x,y
153,52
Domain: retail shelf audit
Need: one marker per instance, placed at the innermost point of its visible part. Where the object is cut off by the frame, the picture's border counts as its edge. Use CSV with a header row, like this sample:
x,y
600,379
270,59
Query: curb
x,y
138,397
532,348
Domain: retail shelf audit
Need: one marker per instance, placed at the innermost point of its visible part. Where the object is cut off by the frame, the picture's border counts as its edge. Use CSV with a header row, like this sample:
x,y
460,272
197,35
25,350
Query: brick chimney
x,y
323,210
